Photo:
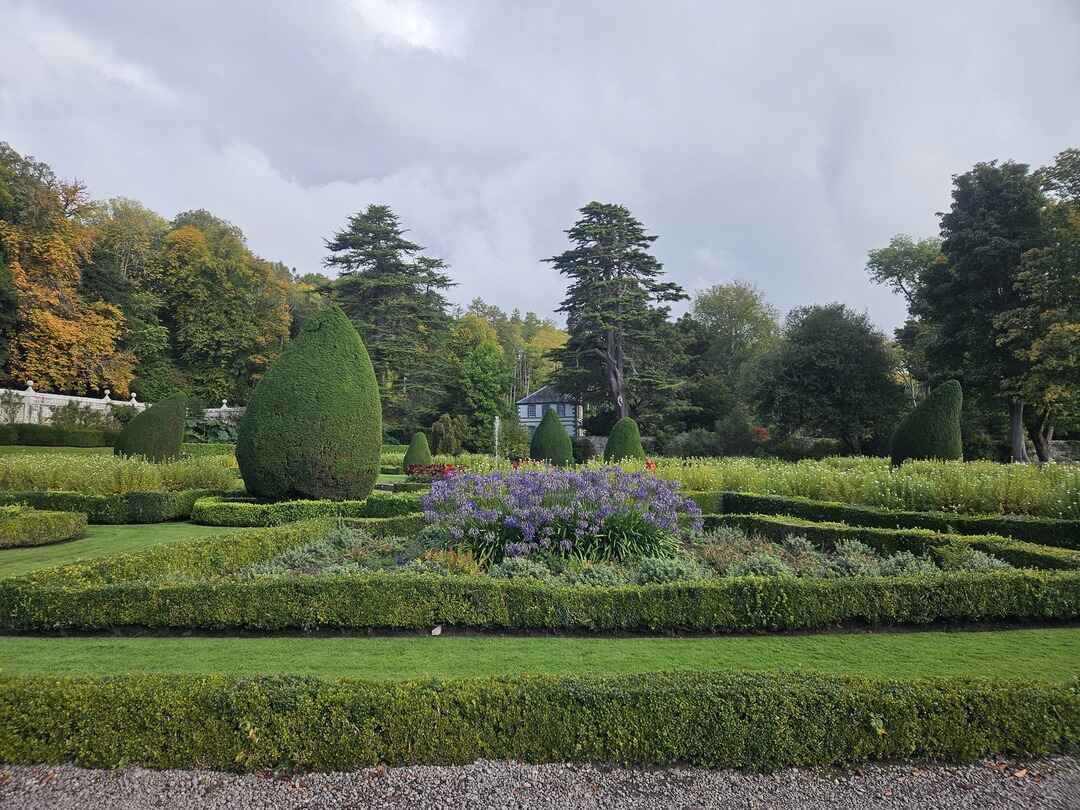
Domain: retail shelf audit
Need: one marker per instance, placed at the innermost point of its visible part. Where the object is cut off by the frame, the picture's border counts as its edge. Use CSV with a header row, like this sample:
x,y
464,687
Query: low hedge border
x,y
755,721
33,527
889,541
1045,531
130,507
193,449
54,436
185,586
233,511
404,486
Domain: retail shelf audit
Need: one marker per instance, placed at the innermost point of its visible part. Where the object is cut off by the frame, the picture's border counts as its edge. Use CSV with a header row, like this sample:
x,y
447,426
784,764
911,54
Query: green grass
x,y
100,541
386,478
1039,654
26,449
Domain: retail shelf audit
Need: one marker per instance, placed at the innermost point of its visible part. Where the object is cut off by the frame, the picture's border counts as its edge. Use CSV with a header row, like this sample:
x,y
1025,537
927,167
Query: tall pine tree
x,y
394,296
614,308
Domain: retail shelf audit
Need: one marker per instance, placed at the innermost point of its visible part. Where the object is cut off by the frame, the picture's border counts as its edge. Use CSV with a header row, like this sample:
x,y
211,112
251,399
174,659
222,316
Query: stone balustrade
x,y
36,407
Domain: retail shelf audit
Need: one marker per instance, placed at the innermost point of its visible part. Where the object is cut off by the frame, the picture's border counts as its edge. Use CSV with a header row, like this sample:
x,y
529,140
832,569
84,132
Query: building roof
x,y
546,395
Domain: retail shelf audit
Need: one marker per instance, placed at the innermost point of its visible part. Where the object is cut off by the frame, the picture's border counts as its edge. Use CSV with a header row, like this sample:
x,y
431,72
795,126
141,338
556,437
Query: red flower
x,y
760,433
650,464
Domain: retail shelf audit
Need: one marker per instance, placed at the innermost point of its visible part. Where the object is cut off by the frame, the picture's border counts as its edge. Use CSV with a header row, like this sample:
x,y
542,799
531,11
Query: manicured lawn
x,y
386,478
24,449
1042,654
100,541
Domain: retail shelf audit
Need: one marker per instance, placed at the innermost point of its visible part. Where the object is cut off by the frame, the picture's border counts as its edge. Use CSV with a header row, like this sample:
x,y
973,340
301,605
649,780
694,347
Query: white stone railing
x,y
36,407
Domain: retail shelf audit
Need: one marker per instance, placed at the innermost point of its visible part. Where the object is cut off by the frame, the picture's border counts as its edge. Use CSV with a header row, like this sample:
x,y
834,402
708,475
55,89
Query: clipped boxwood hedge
x,y
192,449
226,511
131,507
1045,531
157,432
758,721
917,541
22,526
185,586
54,436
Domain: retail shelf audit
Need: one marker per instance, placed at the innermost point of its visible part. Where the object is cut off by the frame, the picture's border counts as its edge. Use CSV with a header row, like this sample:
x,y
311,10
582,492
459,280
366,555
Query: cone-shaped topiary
x,y
624,441
418,452
551,442
156,432
932,430
313,425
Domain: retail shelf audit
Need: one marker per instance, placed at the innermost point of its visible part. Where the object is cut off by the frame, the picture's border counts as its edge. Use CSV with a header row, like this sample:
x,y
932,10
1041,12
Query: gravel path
x,y
989,785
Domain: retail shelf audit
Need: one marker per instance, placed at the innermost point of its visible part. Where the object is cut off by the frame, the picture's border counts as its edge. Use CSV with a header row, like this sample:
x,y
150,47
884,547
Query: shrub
x,y
156,433
584,451
519,568
662,570
624,441
192,449
760,565
107,474
219,511
591,574
446,561
22,526
447,434
550,442
906,564
747,720
54,436
850,558
603,514
418,453
128,507
932,429
313,425
961,558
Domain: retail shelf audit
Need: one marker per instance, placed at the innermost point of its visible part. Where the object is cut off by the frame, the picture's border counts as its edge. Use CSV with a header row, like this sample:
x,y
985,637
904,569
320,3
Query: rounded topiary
x,y
932,430
418,452
157,432
313,425
624,441
551,443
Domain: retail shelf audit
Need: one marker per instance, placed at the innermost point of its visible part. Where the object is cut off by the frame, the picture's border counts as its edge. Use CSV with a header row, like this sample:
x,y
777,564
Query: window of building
x,y
531,410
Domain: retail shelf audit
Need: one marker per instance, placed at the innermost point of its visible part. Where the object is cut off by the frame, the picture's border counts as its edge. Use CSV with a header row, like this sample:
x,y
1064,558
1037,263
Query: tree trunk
x,y
616,377
1016,431
1042,436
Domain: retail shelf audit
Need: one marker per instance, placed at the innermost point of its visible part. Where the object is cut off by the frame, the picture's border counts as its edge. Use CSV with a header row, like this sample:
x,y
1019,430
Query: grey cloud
x,y
776,142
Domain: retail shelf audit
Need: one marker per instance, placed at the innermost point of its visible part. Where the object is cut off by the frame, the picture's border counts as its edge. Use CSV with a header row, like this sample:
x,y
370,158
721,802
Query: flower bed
x,y
603,514
432,472
23,526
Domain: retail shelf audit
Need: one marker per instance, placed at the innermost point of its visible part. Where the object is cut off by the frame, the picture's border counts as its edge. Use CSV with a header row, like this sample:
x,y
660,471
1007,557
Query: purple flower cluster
x,y
605,513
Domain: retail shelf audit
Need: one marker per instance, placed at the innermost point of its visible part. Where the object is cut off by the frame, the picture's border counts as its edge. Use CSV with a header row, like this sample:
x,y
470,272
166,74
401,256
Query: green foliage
x,y
932,430
754,721
480,381
195,449
550,442
33,527
100,474
832,375
662,570
219,511
52,436
759,565
313,426
624,441
584,451
448,434
394,296
156,433
128,507
519,568
418,452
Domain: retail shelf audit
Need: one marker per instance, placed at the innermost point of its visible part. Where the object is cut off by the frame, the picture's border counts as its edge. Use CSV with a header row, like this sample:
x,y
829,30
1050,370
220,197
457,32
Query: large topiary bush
x,y
551,443
624,441
313,426
418,452
932,430
157,432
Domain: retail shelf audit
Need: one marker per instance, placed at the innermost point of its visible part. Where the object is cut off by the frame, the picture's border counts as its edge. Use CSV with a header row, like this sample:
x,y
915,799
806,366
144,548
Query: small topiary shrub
x,y
932,430
906,564
760,565
584,451
597,575
157,432
313,426
519,568
551,442
418,454
660,570
624,441
23,526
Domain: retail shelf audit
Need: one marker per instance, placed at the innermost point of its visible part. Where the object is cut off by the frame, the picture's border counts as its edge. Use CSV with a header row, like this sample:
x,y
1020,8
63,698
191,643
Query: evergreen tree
x,y
394,296
614,308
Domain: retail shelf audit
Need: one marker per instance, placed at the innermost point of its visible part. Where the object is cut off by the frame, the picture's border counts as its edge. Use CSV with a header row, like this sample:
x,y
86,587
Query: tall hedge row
x,y
760,721
932,429
155,432
624,441
313,425
56,436
551,443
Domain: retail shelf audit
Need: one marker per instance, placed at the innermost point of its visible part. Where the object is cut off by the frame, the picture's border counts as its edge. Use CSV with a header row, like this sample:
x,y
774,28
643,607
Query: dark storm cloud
x,y
775,142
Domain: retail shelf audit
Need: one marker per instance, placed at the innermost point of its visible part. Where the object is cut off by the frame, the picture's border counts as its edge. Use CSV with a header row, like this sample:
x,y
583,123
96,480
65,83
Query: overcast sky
x,y
776,142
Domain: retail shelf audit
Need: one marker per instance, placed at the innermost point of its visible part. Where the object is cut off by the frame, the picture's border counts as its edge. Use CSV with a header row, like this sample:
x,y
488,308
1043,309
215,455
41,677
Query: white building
x,y
532,408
